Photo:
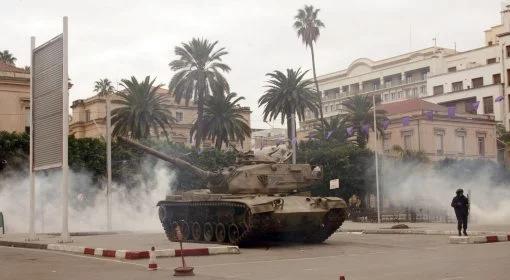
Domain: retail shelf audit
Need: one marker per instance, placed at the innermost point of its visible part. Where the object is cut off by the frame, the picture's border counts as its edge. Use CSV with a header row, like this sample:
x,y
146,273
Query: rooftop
x,y
4,67
410,105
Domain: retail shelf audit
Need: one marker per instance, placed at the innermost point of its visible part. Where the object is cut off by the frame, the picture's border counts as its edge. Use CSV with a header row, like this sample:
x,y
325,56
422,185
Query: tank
x,y
256,200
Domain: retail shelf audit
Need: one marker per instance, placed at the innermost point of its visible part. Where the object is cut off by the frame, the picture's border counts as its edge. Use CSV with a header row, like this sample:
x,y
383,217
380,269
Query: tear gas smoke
x,y
421,186
133,209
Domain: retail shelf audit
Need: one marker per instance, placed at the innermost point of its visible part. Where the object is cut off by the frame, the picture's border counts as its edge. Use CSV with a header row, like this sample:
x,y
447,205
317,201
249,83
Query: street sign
x,y
47,104
334,184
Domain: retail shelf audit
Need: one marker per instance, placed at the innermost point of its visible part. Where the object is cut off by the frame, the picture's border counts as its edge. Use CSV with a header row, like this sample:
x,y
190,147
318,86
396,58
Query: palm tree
x,y
142,110
104,87
408,155
287,95
308,28
223,120
360,115
199,68
7,57
336,129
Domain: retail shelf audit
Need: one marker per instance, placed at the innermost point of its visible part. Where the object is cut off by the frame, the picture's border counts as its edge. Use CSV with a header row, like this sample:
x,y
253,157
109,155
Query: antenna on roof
x,y
455,46
435,41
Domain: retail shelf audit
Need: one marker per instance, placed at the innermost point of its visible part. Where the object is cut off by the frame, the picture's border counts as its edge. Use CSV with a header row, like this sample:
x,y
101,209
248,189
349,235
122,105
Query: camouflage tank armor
x,y
253,201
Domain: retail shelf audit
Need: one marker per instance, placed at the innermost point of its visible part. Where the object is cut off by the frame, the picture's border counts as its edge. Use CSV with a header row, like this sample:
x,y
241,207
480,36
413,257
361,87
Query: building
x,y
261,138
437,75
430,128
14,98
89,119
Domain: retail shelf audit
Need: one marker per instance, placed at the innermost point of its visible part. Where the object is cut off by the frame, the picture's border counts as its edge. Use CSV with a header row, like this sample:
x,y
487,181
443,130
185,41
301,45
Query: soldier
x,y
461,205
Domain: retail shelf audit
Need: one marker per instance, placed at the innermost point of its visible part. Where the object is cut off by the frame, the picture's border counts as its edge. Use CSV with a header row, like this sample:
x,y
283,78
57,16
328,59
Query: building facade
x,y
429,128
261,138
14,98
89,119
475,82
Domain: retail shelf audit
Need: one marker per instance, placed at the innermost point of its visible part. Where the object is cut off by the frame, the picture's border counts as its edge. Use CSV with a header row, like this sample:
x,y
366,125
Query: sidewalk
x,y
421,228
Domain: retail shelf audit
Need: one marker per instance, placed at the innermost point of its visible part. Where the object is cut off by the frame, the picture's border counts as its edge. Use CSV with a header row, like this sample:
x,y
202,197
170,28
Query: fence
x,y
398,215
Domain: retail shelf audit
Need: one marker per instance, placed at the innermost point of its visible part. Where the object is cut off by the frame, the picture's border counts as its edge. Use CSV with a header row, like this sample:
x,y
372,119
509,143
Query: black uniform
x,y
461,205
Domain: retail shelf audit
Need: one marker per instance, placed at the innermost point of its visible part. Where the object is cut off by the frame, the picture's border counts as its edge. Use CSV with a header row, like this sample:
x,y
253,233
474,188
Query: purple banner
x,y
430,115
350,131
329,134
385,124
365,128
499,98
406,120
475,105
451,112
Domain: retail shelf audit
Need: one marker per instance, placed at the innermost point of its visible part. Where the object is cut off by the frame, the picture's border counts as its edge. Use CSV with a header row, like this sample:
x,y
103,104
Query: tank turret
x,y
249,176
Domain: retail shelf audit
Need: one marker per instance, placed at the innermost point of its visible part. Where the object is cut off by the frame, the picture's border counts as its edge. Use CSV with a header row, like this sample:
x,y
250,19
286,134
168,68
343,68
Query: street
x,y
360,257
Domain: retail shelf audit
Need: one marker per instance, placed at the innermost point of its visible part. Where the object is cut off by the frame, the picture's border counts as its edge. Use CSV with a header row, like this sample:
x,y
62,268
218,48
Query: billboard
x,y
47,104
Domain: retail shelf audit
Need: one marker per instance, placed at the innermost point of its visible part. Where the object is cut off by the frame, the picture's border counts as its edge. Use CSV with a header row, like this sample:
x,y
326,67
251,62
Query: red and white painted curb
x,y
133,255
479,239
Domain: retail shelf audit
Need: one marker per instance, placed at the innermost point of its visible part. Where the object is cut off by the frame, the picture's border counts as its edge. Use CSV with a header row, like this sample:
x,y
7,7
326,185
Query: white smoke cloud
x,y
421,186
131,210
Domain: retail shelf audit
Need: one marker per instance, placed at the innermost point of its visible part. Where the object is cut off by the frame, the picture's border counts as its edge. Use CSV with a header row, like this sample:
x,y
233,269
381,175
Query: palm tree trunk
x,y
200,115
317,88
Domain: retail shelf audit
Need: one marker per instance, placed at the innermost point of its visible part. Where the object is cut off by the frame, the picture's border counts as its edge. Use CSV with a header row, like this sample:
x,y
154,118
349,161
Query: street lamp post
x,y
376,165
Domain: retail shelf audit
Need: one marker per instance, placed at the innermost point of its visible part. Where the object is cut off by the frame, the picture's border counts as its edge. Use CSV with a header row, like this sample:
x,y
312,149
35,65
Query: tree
x,y
408,155
336,130
223,120
360,117
142,110
286,95
104,87
7,57
199,69
308,28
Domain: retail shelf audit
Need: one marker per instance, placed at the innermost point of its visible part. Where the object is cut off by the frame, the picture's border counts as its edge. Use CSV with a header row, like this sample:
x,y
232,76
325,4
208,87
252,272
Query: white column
x,y
65,133
108,165
31,226
376,164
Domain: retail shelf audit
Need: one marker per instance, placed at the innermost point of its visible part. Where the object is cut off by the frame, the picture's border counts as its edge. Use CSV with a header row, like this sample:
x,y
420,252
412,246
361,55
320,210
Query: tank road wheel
x,y
208,232
185,230
196,231
221,233
173,231
233,233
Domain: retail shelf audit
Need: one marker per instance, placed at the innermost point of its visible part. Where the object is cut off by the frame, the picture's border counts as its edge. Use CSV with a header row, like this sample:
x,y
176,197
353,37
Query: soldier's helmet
x,y
459,191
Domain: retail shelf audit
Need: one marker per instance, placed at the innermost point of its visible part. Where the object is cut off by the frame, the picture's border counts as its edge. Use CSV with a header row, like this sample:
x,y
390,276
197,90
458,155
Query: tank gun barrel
x,y
177,162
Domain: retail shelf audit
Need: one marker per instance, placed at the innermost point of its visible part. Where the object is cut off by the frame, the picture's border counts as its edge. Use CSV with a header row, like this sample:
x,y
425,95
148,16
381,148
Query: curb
x,y
134,255
424,232
479,239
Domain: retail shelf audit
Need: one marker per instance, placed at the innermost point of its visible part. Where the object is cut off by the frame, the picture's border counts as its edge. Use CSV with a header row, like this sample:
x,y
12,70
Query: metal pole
x,y
65,133
376,165
108,165
294,139
31,226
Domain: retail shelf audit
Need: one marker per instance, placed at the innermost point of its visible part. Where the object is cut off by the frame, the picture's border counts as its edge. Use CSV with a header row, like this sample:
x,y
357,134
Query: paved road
x,y
358,257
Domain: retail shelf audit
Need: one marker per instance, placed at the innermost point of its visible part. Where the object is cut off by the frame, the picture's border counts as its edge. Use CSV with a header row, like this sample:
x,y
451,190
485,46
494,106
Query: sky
x,y
123,38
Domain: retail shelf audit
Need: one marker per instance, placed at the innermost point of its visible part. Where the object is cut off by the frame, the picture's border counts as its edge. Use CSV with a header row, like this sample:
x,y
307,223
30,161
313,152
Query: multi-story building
x,y
418,125
475,81
14,98
89,119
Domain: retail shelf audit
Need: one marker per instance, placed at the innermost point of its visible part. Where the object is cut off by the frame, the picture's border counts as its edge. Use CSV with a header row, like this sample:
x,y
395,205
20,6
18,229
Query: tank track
x,y
252,229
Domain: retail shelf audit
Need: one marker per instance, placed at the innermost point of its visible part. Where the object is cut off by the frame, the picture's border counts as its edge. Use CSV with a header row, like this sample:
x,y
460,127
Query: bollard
x,y
182,270
2,222
153,265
